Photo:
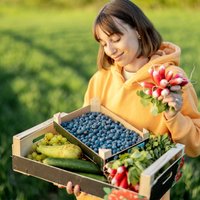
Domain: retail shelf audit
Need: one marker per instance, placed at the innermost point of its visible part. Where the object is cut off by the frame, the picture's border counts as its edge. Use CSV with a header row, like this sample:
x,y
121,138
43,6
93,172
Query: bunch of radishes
x,y
163,82
119,177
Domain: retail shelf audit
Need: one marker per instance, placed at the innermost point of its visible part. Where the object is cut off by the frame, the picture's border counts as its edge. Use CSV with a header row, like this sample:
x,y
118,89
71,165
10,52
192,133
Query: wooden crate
x,y
152,186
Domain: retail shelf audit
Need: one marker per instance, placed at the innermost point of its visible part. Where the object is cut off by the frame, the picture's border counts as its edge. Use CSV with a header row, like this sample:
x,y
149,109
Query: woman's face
x,y
123,49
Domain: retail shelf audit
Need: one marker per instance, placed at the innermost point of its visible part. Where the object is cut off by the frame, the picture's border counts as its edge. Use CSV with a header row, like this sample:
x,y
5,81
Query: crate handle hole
x,y
170,175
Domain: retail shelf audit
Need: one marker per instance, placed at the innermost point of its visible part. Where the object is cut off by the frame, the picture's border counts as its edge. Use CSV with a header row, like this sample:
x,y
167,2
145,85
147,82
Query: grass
x,y
46,60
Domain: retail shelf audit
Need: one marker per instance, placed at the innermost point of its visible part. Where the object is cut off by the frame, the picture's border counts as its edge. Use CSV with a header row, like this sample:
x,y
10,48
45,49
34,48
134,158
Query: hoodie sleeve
x,y
89,92
185,126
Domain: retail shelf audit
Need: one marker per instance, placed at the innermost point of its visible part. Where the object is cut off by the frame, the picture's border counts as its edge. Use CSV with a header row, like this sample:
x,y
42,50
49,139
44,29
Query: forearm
x,y
185,130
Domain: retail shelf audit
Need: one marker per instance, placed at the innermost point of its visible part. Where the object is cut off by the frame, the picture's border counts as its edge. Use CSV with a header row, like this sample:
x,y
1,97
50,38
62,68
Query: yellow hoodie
x,y
119,96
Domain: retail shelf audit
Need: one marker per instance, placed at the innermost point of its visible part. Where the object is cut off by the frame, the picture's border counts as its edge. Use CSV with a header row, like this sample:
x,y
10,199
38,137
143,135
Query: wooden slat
x,y
95,105
22,142
148,176
58,176
75,113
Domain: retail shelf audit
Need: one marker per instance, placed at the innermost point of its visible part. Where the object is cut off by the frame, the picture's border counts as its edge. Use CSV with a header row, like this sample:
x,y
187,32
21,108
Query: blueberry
x,y
114,146
114,151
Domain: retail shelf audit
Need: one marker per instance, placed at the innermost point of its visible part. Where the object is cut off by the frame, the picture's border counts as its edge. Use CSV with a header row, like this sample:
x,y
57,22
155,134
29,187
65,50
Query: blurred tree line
x,y
80,3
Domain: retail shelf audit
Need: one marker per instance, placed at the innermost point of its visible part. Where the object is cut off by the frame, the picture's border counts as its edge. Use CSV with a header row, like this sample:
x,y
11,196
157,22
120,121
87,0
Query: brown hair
x,y
132,15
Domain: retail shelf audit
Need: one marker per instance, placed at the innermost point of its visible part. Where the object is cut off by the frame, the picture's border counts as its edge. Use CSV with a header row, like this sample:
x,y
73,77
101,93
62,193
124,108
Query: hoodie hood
x,y
168,52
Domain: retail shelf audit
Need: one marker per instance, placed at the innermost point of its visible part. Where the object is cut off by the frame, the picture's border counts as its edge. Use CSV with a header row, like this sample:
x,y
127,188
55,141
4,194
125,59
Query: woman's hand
x,y
70,188
174,100
76,190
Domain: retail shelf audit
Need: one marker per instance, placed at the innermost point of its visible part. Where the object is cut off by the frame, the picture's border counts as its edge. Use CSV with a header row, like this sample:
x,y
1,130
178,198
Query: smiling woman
x,y
38,43
128,41
110,25
122,47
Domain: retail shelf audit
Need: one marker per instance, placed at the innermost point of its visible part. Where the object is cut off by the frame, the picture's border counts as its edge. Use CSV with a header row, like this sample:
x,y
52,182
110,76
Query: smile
x,y
117,58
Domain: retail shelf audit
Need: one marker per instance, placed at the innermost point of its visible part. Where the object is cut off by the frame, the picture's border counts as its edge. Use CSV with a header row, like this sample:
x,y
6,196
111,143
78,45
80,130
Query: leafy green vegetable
x,y
157,105
141,157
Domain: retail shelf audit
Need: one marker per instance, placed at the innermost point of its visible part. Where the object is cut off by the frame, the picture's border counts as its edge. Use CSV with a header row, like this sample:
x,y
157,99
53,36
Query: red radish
x,y
165,92
163,83
176,81
121,172
151,70
162,71
117,179
184,82
112,172
148,92
124,183
121,169
156,93
156,77
169,75
147,84
178,75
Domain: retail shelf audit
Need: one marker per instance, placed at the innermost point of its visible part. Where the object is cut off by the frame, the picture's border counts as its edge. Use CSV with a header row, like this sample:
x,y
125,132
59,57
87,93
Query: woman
x,y
129,46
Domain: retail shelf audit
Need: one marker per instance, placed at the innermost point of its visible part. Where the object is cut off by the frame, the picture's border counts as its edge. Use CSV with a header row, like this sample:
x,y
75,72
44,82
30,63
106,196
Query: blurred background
x,y
48,54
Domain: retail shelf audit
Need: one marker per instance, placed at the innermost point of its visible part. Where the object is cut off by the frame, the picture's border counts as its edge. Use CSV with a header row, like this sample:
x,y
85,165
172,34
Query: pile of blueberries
x,y
98,130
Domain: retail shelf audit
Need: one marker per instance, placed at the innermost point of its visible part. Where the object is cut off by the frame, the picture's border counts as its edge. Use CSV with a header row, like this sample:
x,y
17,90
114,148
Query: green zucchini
x,y
76,165
94,176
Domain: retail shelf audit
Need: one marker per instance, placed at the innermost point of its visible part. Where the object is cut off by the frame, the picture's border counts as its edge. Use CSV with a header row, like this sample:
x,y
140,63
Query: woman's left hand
x,y
175,101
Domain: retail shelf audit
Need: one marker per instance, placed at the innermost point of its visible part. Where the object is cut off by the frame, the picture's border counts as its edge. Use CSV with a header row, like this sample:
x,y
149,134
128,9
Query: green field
x,y
46,60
